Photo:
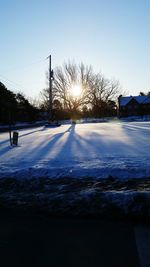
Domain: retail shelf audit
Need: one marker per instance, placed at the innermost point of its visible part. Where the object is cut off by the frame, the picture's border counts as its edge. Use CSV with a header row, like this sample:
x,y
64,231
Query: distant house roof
x,y
140,99
147,100
124,100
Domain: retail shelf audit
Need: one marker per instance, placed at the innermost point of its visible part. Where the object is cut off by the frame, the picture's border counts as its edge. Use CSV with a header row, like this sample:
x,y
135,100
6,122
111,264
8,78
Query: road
x,y
66,242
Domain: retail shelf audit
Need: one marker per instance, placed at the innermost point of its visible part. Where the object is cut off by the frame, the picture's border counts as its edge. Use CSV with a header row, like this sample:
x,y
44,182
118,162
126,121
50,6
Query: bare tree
x,y
44,98
68,76
34,101
101,92
95,90
103,89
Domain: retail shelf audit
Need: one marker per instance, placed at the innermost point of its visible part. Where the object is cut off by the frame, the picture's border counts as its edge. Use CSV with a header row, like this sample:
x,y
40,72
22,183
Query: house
x,y
134,105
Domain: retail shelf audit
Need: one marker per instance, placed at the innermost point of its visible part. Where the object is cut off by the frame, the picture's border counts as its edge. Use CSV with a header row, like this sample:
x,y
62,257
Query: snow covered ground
x,y
95,150
89,151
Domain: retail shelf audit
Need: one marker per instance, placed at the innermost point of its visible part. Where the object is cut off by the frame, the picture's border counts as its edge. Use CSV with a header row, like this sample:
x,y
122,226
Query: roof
x,y
140,99
147,100
124,100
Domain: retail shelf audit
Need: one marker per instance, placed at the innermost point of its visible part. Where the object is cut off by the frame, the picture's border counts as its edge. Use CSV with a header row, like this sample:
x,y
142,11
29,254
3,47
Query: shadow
x,y
71,128
55,146
44,241
22,135
3,142
98,145
72,144
5,150
138,137
137,127
76,144
44,147
48,145
43,129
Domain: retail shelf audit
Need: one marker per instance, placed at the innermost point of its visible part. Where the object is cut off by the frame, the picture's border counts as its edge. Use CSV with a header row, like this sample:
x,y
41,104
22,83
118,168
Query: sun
x,y
76,90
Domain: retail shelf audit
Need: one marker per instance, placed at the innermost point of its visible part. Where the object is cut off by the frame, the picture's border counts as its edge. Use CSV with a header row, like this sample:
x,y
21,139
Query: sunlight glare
x,y
76,90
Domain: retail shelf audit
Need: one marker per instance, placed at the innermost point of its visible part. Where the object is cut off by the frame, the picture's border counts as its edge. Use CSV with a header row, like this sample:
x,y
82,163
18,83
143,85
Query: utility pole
x,y
9,122
50,89
10,137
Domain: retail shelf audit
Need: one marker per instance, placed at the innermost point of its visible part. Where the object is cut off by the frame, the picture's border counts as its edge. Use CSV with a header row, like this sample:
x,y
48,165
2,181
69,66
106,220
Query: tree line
x,y
15,107
97,97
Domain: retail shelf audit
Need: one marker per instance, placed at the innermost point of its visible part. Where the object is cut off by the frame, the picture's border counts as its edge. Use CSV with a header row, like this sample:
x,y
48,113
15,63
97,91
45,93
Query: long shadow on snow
x,y
22,135
92,147
72,145
40,152
138,137
77,146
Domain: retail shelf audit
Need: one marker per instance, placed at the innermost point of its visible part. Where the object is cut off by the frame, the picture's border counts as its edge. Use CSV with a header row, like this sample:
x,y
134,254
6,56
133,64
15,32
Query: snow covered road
x,y
98,150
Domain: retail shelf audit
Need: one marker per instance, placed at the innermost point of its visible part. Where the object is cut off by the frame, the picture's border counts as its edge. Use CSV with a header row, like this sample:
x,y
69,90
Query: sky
x,y
111,35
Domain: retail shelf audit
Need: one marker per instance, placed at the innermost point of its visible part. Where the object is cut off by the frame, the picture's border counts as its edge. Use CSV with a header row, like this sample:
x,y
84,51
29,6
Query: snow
x,y
21,125
147,100
140,99
93,169
125,100
96,150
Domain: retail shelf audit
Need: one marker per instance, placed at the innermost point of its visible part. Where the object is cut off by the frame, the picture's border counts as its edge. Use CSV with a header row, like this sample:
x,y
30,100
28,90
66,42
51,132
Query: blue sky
x,y
111,35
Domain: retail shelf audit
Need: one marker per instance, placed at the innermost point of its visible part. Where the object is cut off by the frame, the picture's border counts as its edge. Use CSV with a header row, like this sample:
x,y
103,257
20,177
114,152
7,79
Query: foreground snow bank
x,y
98,150
73,197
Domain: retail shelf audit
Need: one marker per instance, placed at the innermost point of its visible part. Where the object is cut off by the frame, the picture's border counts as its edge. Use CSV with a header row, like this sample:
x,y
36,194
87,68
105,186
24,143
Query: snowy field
x,y
94,150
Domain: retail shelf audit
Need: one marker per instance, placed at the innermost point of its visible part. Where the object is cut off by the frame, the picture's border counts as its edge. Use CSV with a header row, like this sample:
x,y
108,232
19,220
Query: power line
x,y
12,83
9,81
25,66
17,86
